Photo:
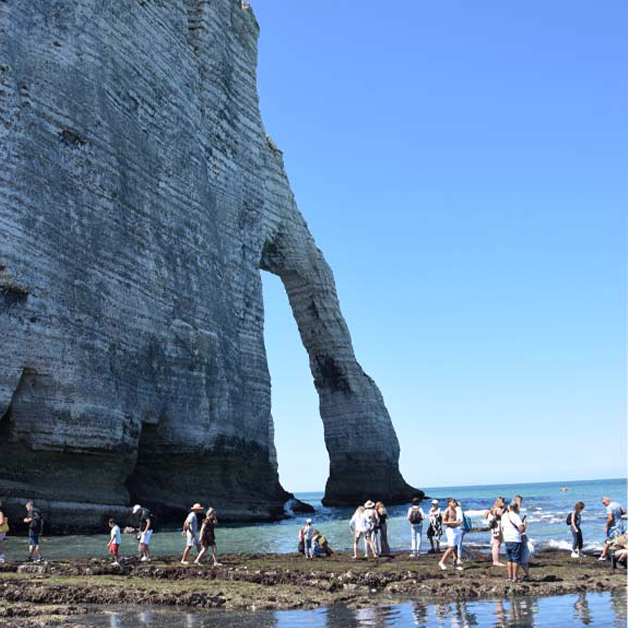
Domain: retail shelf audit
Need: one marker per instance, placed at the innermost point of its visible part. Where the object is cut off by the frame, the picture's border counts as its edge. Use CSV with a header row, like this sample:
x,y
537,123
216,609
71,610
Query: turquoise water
x,y
596,610
544,503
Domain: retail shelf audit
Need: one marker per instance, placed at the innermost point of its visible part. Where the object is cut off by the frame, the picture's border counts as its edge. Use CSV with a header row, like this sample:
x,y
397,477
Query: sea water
x,y
545,504
595,610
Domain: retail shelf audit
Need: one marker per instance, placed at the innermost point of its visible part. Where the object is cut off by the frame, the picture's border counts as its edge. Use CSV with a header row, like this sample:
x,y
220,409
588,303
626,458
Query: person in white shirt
x,y
115,540
415,516
435,529
360,530
190,531
306,533
512,528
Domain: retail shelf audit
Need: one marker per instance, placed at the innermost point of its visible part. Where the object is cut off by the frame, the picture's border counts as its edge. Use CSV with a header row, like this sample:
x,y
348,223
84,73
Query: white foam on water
x,y
554,544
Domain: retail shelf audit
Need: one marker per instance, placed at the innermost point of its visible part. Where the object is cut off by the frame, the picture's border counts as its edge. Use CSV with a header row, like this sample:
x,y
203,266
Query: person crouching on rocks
x,y
320,545
190,532
453,534
208,536
145,531
115,540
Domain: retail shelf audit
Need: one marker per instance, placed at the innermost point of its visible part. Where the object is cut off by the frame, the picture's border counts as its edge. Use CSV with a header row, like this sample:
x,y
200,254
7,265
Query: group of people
x,y
369,524
198,530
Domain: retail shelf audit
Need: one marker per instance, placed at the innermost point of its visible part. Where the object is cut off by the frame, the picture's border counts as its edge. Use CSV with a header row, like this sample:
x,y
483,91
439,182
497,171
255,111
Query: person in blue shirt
x,y
614,524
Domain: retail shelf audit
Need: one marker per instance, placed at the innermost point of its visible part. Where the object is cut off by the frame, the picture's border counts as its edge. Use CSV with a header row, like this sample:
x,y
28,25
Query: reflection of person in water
x,y
581,610
421,613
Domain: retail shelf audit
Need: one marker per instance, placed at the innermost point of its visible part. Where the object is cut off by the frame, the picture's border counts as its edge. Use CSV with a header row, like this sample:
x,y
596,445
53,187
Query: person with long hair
x,y
493,518
383,548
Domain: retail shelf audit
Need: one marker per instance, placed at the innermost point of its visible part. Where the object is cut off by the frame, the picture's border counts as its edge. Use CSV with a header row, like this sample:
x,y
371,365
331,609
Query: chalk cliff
x,y
139,199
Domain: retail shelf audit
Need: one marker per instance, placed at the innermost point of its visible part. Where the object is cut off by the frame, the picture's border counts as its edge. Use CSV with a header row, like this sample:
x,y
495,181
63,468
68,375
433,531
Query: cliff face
x,y
139,199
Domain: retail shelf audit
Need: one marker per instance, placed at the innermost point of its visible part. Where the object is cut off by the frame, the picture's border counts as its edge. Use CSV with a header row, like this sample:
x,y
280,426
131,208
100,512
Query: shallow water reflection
x,y
593,609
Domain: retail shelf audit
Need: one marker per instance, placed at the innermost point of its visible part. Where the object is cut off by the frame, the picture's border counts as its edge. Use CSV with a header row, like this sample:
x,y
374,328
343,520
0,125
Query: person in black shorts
x,y
35,524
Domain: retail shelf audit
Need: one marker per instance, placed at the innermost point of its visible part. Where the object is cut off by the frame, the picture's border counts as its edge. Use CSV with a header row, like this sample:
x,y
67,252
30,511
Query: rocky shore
x,y
46,594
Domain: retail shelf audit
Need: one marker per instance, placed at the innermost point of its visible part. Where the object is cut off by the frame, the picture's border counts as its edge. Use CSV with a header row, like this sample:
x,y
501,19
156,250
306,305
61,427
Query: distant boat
x,y
564,489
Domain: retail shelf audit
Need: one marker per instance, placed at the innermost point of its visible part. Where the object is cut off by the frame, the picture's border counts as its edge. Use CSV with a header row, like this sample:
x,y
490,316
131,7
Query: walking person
x,y
493,518
371,520
383,547
145,531
35,527
4,528
453,533
207,537
574,521
512,529
614,524
415,516
435,528
190,532
115,540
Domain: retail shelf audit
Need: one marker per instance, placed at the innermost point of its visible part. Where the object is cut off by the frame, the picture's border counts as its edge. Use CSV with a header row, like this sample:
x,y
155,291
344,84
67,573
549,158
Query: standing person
x,y
493,518
415,516
4,528
435,529
190,532
115,540
35,526
460,518
371,520
306,533
383,547
512,529
525,552
358,529
614,524
452,532
574,521
145,529
208,536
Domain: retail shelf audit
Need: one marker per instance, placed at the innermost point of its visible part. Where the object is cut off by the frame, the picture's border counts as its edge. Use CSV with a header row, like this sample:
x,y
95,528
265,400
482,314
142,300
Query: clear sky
x,y
463,167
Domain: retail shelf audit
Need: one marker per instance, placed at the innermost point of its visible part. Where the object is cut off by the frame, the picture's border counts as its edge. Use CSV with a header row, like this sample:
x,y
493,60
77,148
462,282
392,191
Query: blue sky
x,y
463,168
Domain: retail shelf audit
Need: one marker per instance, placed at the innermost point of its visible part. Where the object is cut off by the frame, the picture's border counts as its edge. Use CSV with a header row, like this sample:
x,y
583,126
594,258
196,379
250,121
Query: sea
x,y
545,504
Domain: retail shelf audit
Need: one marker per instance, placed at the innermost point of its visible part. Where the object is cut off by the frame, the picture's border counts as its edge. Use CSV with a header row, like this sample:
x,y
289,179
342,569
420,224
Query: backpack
x,y
466,523
568,520
4,528
415,516
369,522
493,522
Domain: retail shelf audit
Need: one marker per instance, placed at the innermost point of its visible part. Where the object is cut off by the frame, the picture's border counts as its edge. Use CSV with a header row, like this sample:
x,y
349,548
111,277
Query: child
x,y
115,540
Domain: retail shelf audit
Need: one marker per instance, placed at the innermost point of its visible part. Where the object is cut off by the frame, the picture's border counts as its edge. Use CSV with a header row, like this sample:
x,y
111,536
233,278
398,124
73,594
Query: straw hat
x,y
369,504
197,506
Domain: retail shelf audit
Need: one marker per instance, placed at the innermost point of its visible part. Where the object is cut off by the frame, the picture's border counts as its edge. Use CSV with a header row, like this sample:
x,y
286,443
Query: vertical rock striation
x,y
139,198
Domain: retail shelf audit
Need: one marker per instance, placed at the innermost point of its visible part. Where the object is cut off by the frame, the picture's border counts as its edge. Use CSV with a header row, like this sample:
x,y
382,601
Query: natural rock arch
x,y
140,198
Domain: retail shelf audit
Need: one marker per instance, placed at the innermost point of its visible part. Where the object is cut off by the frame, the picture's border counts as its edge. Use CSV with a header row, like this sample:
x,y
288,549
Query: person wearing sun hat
x,y
371,519
190,531
435,529
145,530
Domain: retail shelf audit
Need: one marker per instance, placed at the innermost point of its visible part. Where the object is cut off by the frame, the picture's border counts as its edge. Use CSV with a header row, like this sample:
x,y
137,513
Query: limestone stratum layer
x,y
139,199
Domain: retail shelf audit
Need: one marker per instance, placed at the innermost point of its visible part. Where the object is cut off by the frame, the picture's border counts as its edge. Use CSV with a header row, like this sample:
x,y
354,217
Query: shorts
x,y
192,540
513,552
145,537
613,533
2,535
33,538
114,548
453,536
